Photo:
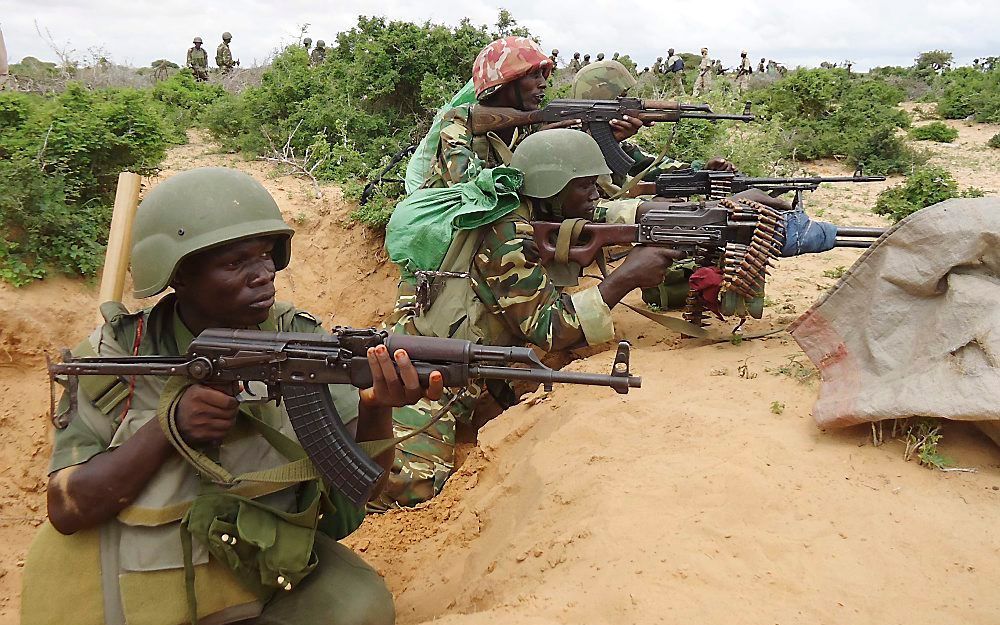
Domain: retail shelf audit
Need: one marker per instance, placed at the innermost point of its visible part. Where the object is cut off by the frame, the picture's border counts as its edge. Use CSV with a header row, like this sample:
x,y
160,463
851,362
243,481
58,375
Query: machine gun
x,y
296,367
596,116
739,237
715,185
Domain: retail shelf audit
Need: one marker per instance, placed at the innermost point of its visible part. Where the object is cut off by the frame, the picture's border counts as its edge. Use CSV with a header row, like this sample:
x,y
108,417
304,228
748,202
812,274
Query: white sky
x,y
873,32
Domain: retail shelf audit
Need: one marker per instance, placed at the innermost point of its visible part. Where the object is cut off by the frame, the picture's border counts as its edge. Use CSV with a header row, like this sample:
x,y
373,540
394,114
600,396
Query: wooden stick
x,y
4,68
119,239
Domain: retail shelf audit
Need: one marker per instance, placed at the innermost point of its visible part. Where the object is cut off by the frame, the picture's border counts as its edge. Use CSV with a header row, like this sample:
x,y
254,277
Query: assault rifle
x,y
296,367
373,185
596,116
741,238
715,185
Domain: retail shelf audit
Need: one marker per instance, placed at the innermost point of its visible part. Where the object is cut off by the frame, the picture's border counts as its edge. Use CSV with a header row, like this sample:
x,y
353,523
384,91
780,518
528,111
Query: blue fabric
x,y
806,236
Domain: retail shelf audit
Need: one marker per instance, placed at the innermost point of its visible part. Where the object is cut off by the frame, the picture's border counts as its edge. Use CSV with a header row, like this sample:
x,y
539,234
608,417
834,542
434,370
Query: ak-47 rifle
x,y
296,367
369,190
715,185
596,116
741,238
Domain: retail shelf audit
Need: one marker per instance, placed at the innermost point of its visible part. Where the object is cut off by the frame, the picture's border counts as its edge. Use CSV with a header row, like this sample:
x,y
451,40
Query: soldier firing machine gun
x,y
740,238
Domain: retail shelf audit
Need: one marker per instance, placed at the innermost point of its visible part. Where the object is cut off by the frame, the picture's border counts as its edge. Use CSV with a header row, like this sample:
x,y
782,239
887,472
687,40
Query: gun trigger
x,y
621,367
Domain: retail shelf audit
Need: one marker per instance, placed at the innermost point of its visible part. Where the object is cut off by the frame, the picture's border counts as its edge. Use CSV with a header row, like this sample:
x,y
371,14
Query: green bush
x,y
934,131
828,113
374,94
59,164
994,141
924,187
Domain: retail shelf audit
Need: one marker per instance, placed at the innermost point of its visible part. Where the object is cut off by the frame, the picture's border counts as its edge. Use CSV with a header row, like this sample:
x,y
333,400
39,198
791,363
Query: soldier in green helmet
x,y
318,55
307,43
125,507
574,64
497,293
554,57
224,56
197,60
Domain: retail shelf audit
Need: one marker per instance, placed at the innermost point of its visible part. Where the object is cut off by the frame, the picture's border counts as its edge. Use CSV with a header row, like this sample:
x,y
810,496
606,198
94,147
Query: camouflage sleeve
x,y
515,287
617,211
189,55
456,160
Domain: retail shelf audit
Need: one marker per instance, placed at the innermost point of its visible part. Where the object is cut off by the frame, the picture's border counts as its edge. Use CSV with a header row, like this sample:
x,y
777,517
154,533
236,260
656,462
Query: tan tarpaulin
x,y
914,327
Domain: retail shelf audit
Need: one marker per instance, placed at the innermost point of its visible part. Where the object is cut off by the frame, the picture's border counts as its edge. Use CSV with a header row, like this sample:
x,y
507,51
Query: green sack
x,y
418,170
422,225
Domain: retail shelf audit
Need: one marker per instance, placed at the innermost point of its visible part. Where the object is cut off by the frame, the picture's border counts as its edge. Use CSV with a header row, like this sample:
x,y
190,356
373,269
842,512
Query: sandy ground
x,y
708,495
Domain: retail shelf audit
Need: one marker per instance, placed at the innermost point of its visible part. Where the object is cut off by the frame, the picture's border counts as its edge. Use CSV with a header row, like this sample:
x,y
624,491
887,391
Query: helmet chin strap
x,y
551,206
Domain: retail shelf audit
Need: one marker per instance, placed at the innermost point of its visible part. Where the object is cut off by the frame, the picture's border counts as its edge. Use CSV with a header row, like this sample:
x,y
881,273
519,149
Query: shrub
x,y
924,187
934,131
827,113
994,141
372,96
59,164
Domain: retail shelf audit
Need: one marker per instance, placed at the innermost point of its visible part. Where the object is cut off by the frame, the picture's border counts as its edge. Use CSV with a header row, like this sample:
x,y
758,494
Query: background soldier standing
x,y
743,72
197,60
318,55
704,81
223,56
658,66
586,60
554,57
307,43
574,64
675,65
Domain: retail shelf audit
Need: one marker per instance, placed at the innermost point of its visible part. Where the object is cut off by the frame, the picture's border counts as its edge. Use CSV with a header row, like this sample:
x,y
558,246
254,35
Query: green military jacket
x,y
197,58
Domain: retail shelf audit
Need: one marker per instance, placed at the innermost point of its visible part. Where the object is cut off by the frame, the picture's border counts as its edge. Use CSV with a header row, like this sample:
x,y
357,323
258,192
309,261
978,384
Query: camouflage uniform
x,y
518,292
703,83
574,64
224,57
461,156
657,66
760,67
197,60
554,57
318,55
586,61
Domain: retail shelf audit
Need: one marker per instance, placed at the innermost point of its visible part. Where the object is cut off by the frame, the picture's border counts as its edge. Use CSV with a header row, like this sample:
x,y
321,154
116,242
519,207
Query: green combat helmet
x,y
197,210
551,158
307,42
197,40
226,36
320,44
603,80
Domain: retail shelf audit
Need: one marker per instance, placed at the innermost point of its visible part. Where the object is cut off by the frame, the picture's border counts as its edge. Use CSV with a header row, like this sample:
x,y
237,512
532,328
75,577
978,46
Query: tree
x,y
936,60
507,26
